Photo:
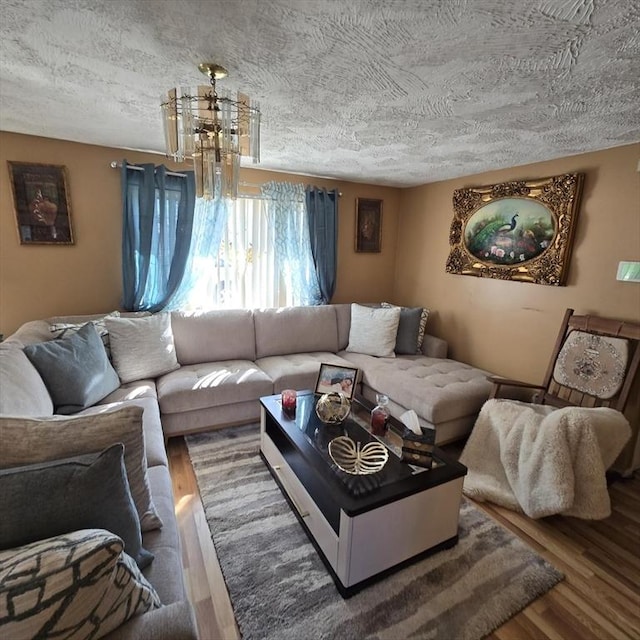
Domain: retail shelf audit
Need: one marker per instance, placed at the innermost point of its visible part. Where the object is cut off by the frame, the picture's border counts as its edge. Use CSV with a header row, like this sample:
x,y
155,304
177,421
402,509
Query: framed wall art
x,y
368,225
521,230
41,202
333,378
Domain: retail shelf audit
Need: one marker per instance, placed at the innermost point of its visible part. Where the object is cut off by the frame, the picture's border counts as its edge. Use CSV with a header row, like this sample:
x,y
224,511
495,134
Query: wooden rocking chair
x,y
594,363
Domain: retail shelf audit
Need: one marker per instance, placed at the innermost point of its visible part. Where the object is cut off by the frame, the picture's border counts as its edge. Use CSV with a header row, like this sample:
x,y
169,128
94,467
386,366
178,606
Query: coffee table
x,y
362,526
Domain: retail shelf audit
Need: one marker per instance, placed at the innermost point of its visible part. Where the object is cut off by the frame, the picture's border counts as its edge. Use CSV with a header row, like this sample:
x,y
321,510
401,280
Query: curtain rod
x,y
118,165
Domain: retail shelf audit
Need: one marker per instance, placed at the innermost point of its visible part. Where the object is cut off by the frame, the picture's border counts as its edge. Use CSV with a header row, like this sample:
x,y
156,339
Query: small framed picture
x,y
333,378
41,201
368,225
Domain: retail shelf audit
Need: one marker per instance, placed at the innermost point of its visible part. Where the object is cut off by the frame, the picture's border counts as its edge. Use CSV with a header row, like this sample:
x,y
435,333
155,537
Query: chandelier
x,y
213,130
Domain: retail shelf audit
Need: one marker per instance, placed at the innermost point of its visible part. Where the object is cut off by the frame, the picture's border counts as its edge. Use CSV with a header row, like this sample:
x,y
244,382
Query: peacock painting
x,y
509,231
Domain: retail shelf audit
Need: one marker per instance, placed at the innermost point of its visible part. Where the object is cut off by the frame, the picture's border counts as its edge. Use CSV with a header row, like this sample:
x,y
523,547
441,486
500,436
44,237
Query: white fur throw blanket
x,y
541,460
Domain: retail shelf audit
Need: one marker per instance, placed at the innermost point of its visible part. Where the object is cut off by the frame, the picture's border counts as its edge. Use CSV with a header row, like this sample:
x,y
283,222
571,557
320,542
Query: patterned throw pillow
x,y
30,440
77,585
62,329
424,316
592,364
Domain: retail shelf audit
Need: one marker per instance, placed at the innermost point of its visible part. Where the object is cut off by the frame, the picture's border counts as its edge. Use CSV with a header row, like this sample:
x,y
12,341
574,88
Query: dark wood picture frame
x,y
368,225
41,203
330,377
521,230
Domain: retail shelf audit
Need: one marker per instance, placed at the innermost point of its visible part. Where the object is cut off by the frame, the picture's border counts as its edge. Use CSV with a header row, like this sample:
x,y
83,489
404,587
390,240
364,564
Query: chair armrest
x,y
434,347
499,382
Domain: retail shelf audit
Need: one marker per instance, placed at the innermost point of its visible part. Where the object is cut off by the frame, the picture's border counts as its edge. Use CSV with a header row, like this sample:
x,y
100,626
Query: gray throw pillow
x,y
408,329
142,347
26,441
86,492
75,369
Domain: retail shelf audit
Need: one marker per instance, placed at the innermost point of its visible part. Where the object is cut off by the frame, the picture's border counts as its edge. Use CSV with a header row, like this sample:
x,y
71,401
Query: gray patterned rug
x,y
280,589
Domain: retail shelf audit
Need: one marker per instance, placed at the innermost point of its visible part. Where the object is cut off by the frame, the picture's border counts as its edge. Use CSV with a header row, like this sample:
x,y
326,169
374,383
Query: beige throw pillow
x,y
30,440
142,347
373,330
79,585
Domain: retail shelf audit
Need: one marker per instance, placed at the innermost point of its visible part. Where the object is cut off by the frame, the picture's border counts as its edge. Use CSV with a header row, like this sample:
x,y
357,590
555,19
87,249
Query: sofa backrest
x,y
211,336
295,330
22,390
343,313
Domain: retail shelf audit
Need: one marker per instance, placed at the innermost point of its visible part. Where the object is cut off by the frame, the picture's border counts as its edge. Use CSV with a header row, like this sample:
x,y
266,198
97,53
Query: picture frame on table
x,y
521,230
368,225
337,379
41,203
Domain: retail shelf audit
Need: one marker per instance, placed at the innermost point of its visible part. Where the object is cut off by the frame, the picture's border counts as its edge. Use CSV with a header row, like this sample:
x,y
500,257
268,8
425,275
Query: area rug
x,y
281,590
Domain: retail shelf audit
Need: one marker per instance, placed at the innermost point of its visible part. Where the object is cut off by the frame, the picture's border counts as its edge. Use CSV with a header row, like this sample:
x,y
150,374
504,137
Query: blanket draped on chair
x,y
543,461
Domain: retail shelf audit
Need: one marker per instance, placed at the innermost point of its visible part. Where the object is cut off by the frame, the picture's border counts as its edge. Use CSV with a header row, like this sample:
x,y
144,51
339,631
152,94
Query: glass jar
x,y
380,415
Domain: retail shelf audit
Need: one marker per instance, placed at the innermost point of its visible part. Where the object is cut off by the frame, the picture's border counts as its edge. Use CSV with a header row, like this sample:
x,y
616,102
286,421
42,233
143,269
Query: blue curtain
x,y
286,211
156,234
322,211
209,221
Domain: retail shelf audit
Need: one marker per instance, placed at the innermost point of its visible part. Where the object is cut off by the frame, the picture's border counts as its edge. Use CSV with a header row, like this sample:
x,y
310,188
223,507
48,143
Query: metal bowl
x,y
333,408
352,458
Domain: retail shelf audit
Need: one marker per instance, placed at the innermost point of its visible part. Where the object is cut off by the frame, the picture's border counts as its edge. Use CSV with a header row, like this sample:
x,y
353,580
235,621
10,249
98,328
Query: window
x,y
245,272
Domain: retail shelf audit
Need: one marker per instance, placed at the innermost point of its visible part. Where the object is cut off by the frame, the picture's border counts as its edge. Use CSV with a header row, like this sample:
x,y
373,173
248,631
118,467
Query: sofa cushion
x,y
62,329
295,330
142,347
373,330
437,389
22,389
413,320
79,585
215,335
29,440
85,492
75,369
199,386
298,370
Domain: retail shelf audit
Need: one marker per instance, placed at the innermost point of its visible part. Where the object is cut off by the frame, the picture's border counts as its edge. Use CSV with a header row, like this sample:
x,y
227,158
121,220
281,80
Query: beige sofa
x,y
227,360
22,393
230,358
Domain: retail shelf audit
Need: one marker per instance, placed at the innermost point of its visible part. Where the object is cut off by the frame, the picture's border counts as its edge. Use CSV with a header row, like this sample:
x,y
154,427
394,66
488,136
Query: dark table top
x,y
307,439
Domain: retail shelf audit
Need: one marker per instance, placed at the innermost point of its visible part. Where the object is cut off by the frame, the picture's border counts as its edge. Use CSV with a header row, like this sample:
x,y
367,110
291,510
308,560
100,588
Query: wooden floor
x,y
599,598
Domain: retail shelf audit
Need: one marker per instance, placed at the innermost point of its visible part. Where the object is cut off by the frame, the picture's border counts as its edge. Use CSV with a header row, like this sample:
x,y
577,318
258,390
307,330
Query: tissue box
x,y
418,449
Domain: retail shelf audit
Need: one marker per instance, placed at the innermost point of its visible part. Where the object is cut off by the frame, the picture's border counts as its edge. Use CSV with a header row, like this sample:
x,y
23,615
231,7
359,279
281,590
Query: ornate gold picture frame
x,y
521,230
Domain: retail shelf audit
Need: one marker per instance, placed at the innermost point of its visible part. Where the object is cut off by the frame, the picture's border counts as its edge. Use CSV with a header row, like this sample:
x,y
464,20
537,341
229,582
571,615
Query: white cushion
x,y
142,347
79,585
373,330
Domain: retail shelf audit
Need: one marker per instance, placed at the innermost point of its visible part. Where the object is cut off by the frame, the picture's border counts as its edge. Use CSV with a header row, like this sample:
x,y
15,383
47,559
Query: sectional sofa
x,y
197,371
227,359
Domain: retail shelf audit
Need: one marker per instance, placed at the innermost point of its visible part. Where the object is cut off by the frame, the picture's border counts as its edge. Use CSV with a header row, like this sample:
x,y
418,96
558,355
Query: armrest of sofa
x,y
433,347
174,621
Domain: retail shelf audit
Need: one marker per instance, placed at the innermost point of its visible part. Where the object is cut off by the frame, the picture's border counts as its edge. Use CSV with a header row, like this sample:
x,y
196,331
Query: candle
x,y
289,398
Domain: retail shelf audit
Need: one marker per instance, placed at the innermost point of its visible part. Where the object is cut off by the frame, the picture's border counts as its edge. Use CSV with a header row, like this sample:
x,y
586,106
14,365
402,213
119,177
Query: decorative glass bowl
x,y
333,408
355,459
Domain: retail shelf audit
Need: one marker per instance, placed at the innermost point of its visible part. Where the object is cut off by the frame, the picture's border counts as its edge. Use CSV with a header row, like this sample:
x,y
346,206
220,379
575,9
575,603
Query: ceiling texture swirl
x,y
390,92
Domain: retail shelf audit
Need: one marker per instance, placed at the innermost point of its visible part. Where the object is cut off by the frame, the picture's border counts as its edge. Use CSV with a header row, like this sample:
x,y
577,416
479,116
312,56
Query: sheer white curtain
x,y
247,273
235,263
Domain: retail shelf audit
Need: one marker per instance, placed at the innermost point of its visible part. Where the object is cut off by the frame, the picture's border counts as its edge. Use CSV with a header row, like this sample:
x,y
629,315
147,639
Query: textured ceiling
x,y
391,92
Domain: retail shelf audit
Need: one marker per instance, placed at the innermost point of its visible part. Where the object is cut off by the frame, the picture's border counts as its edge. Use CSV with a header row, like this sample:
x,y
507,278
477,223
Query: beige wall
x,y
508,327
37,281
